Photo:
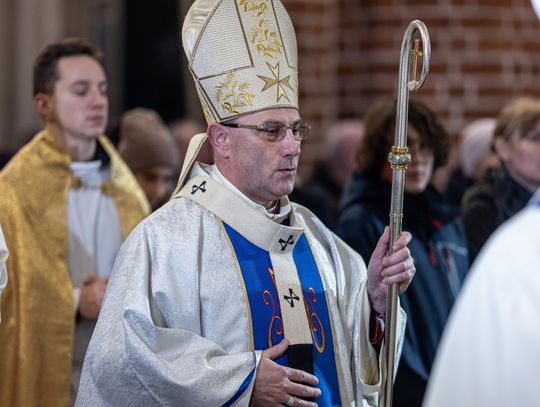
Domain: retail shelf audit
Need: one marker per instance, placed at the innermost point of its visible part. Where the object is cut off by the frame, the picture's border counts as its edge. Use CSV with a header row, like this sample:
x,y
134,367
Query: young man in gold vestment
x,y
68,201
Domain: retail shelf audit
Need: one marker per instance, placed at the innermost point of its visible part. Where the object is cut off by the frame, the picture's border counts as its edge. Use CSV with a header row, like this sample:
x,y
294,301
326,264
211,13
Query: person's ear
x,y
502,148
43,104
219,137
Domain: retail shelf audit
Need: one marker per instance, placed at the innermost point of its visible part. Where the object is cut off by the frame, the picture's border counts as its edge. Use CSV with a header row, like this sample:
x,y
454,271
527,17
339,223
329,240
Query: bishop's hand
x,y
282,385
385,270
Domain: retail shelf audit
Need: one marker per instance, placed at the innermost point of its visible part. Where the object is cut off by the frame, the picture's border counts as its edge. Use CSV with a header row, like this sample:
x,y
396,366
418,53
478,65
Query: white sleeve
x,y
3,269
136,358
368,365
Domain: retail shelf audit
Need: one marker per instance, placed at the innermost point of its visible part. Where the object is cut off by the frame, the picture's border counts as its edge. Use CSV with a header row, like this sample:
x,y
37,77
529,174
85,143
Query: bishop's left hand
x,y
385,270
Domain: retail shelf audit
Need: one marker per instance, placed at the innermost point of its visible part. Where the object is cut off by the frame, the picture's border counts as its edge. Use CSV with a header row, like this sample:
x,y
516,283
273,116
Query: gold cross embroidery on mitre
x,y
276,81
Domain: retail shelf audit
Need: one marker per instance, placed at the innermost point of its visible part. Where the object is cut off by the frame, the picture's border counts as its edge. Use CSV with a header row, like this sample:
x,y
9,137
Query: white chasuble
x,y
194,298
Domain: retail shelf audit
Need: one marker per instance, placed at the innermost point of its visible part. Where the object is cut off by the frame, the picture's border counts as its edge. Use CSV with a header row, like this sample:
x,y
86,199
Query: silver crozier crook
x,y
399,159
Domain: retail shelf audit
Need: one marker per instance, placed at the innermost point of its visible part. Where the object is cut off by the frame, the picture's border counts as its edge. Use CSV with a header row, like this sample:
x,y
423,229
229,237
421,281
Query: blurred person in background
x,y
438,244
322,192
68,201
182,131
504,191
147,147
476,156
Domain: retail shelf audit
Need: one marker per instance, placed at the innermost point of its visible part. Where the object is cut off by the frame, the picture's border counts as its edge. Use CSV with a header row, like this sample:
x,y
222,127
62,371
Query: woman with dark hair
x,y
438,246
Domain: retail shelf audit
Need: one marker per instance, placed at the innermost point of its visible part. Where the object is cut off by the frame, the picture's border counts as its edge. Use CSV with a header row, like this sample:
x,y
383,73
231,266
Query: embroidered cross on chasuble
x,y
283,287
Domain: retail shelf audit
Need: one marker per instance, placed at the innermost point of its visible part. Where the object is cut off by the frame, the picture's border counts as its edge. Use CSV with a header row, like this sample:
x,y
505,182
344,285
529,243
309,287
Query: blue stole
x,y
256,268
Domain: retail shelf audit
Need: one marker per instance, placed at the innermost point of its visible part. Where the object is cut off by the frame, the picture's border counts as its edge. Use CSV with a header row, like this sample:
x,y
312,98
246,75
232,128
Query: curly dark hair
x,y
45,66
379,124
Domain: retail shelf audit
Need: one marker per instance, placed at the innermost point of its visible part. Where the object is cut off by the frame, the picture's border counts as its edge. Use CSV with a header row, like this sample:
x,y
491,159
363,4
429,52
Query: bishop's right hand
x,y
282,385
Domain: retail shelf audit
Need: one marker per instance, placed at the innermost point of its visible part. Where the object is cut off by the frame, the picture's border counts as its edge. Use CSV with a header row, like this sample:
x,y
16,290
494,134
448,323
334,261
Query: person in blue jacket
x,y
439,246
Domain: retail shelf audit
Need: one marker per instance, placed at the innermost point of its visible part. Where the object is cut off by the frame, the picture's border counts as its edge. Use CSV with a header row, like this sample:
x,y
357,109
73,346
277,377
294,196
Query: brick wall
x,y
315,22
484,53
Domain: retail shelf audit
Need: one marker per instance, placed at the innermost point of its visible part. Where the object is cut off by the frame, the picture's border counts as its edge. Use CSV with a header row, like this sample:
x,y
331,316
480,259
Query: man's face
x,y
263,170
157,183
418,175
79,99
521,156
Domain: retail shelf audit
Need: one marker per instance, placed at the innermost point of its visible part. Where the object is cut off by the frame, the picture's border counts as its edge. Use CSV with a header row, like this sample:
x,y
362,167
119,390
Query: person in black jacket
x,y
438,244
504,192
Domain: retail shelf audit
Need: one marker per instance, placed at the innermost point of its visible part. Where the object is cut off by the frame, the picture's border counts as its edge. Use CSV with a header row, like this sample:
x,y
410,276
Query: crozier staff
x,y
399,159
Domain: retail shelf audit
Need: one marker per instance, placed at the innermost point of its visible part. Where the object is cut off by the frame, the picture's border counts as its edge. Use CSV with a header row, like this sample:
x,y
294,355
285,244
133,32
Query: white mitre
x,y
242,55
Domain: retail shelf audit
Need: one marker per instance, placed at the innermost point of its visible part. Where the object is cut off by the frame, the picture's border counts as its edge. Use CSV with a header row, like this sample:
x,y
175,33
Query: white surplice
x,y
175,327
94,240
490,351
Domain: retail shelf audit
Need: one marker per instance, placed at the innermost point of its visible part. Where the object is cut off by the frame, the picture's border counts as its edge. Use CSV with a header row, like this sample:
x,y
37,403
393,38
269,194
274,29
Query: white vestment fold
x,y
490,350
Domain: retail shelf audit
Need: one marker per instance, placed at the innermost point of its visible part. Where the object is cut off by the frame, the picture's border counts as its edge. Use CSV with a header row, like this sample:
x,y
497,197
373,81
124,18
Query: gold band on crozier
x,y
399,158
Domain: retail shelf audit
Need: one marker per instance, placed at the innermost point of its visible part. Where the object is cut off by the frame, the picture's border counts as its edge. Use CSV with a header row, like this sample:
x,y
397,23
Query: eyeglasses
x,y
276,131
